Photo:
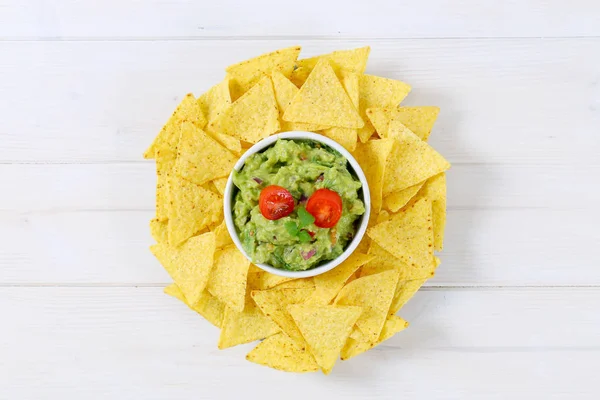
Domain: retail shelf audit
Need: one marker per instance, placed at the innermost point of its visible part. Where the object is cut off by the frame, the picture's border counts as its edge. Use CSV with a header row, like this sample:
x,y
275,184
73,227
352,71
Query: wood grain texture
x,y
139,343
70,19
528,101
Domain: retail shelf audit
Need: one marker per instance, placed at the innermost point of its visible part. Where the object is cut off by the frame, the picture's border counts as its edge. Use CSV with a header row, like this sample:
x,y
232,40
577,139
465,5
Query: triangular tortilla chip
x,y
165,165
373,159
207,306
158,230
374,294
435,190
252,117
301,283
246,326
404,292
392,325
380,119
419,120
222,237
188,265
347,137
397,200
325,329
384,261
168,137
192,208
200,158
408,235
280,352
322,100
228,279
376,91
247,73
328,285
220,184
215,100
285,91
354,60
273,303
411,161
263,280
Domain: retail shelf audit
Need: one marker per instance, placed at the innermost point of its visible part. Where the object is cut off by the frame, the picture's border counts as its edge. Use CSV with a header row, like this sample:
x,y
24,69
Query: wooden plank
x,y
139,343
188,19
130,186
528,101
484,247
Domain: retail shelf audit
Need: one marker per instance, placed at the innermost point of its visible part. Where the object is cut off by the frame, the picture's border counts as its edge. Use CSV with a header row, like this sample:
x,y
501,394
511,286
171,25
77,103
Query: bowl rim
x,y
268,142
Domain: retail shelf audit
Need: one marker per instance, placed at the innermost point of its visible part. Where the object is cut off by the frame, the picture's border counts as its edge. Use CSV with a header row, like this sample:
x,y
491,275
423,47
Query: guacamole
x,y
294,241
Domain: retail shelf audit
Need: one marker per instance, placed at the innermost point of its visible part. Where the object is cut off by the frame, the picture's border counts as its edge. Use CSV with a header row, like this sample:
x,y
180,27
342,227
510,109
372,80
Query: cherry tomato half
x,y
275,202
326,206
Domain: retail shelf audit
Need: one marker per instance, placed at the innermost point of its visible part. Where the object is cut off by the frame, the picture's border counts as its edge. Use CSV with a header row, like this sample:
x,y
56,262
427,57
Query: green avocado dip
x,y
294,242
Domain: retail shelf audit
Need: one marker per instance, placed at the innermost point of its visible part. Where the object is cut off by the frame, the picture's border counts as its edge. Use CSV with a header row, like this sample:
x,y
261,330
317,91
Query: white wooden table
x,y
514,311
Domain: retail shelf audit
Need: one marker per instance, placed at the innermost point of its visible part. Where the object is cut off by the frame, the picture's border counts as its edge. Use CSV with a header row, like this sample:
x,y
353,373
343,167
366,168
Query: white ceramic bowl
x,y
267,142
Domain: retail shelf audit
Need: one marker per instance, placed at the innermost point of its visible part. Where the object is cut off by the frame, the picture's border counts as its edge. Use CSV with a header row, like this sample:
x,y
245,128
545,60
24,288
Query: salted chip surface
x,y
397,200
373,159
353,60
404,292
189,265
392,325
247,73
322,100
158,230
374,293
216,100
384,261
228,278
435,190
207,306
325,329
376,91
411,161
280,352
347,137
191,209
419,120
165,168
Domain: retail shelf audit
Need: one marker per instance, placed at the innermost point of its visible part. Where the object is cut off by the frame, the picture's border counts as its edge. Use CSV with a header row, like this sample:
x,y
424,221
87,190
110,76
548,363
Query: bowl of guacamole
x,y
297,204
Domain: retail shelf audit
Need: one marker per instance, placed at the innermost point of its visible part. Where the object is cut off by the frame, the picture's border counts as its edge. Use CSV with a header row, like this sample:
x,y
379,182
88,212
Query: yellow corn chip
x,y
376,91
363,246
411,161
188,265
347,137
435,190
274,302
215,100
246,326
419,120
404,292
358,336
229,142
200,158
392,325
374,293
354,60
252,117
397,200
192,208
380,119
302,283
384,261
247,73
222,237
158,230
220,184
228,279
262,280
328,285
280,352
325,329
208,306
372,157
165,165
322,100
408,235
168,137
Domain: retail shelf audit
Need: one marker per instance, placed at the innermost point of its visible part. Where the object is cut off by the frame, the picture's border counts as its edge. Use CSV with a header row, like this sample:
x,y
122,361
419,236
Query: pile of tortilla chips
x,y
302,324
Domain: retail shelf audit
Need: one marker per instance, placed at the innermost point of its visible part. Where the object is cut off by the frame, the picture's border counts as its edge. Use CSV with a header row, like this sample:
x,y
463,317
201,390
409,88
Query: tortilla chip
x,y
280,352
215,100
274,302
253,116
376,91
220,184
262,280
397,200
325,329
301,283
208,306
358,336
354,60
188,265
408,235
200,158
322,100
222,237
246,326
435,190
419,120
229,142
392,325
374,293
380,119
328,285
373,159
165,165
158,230
247,73
385,261
404,292
411,161
228,279
168,137
192,208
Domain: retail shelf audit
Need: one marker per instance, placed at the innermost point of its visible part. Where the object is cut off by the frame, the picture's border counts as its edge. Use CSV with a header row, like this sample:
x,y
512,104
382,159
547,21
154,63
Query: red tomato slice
x,y
275,202
326,206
